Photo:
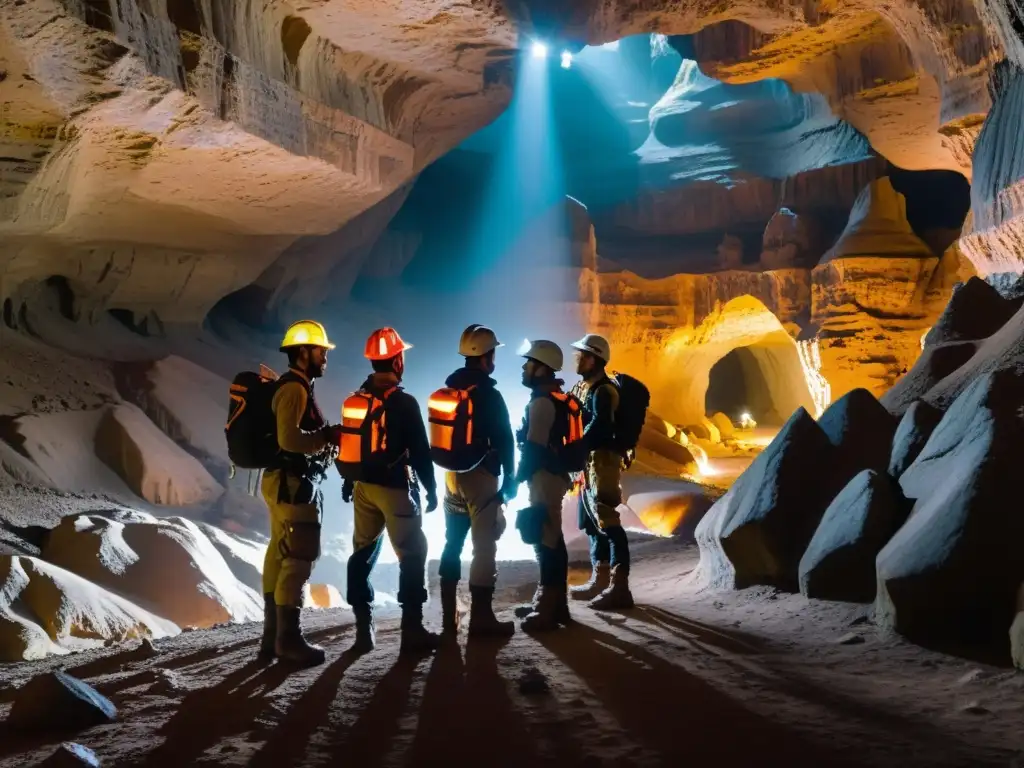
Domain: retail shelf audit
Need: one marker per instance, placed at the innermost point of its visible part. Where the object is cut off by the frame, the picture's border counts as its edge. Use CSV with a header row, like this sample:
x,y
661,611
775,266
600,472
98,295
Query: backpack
x,y
567,435
452,442
364,437
251,430
634,399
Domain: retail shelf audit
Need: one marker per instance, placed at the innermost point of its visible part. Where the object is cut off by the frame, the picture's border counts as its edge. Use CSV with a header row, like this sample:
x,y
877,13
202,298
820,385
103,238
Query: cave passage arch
x,y
762,380
680,372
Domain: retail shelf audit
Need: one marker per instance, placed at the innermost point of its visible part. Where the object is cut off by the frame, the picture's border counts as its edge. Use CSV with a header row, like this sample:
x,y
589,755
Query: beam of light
x,y
566,59
810,361
539,50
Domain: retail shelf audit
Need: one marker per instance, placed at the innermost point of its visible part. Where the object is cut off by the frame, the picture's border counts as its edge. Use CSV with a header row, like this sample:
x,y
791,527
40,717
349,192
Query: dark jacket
x,y
599,406
491,422
534,456
407,444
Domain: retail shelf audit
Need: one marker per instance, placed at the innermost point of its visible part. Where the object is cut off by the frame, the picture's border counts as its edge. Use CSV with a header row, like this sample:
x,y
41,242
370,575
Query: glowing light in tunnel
x,y
704,467
539,50
747,421
566,59
810,361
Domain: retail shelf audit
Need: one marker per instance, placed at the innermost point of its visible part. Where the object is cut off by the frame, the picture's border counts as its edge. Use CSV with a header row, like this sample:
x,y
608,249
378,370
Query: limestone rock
x,y
656,443
58,701
167,565
878,227
725,426
975,311
758,531
71,755
730,253
324,596
149,462
704,429
61,611
912,434
951,573
861,430
935,364
839,563
790,241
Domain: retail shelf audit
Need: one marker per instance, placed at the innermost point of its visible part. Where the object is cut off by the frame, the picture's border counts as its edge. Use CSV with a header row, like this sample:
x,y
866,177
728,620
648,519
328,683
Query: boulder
x,y
975,311
861,429
168,565
839,563
704,430
758,531
45,609
913,432
323,596
934,365
951,573
672,450
149,462
59,702
725,425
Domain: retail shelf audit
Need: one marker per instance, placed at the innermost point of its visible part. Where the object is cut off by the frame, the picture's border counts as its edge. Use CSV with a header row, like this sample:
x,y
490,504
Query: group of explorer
x,y
385,453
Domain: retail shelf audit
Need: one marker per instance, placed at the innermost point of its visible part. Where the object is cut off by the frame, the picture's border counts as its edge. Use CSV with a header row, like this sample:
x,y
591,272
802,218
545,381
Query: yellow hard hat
x,y
306,333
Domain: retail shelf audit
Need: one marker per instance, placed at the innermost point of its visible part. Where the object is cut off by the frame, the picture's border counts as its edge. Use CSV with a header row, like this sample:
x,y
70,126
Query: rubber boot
x,y
545,618
600,579
482,621
415,637
525,609
266,652
290,645
617,597
449,607
366,632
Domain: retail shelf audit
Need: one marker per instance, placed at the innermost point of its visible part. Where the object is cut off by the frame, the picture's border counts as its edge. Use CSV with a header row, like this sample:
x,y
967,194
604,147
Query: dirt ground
x,y
750,678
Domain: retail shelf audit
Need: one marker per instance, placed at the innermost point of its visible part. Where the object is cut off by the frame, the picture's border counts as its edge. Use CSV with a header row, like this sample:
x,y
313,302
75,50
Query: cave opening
x,y
759,380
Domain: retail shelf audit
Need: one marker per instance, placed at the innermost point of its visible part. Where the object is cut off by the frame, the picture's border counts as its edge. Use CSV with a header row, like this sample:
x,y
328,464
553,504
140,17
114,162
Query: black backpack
x,y
567,434
251,430
634,399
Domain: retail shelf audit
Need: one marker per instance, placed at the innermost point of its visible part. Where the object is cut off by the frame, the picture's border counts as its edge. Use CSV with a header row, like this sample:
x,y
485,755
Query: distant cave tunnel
x,y
763,380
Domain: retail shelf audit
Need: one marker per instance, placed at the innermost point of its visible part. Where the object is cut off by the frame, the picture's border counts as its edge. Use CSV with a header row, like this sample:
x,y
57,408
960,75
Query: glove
x,y
509,488
346,491
431,501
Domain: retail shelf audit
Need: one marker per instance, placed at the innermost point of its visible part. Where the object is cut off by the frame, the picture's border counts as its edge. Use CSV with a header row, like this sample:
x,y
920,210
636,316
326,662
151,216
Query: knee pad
x,y
301,541
530,523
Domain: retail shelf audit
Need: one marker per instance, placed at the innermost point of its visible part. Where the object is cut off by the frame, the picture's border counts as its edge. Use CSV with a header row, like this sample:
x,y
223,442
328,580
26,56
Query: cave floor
x,y
749,678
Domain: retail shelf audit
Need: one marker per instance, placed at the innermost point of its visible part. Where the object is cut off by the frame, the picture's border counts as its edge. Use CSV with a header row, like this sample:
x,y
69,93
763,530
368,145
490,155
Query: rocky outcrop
x,y
870,295
975,311
839,562
790,241
139,556
951,574
861,430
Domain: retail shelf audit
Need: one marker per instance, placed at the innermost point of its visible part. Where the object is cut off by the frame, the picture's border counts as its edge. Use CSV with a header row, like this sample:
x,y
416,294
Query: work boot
x,y
545,618
600,578
525,609
563,609
450,619
482,621
415,637
266,652
617,597
290,645
366,632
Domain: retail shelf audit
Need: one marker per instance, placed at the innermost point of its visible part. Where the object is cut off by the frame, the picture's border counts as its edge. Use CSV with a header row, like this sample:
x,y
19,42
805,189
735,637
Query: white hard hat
x,y
478,340
546,352
596,345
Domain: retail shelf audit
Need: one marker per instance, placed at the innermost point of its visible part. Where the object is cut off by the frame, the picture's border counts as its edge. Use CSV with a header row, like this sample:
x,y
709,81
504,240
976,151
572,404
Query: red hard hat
x,y
383,344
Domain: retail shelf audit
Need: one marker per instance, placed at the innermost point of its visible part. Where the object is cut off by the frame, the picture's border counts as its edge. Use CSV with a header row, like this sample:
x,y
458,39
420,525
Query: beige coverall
x,y
294,526
475,493
378,508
